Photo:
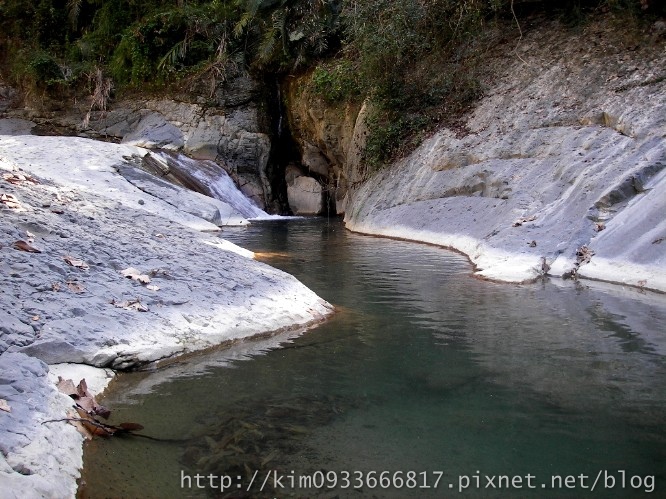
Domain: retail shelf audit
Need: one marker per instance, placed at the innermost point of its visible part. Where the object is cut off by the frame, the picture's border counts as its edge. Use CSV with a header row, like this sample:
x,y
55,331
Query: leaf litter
x,y
76,262
25,246
87,410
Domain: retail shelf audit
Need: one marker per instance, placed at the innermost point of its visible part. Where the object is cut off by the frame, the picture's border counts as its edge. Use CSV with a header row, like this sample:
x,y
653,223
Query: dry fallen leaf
x,y
24,246
136,275
4,406
521,221
131,426
35,317
130,305
18,178
84,399
75,262
75,286
66,386
11,202
79,425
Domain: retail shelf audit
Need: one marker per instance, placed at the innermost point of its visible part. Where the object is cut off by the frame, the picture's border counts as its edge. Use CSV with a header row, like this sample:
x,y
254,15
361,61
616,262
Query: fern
x,y
74,9
267,46
243,24
175,54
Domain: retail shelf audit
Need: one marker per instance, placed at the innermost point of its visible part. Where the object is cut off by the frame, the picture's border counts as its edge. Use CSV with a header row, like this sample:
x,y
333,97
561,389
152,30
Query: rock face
x,y
305,195
75,216
562,171
36,460
228,127
230,137
330,138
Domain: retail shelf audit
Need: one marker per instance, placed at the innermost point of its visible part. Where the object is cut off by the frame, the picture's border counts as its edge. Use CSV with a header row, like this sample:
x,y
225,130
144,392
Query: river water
x,y
439,379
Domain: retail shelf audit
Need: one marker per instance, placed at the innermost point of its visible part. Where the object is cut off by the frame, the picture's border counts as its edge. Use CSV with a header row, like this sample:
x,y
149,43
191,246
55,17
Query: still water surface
x,y
424,369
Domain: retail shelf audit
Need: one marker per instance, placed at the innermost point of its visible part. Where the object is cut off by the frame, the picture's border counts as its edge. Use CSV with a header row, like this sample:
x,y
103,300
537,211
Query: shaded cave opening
x,y
286,155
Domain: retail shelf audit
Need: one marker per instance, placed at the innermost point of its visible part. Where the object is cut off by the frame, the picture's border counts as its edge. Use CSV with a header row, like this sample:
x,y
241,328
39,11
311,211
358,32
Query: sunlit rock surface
x,y
560,170
67,300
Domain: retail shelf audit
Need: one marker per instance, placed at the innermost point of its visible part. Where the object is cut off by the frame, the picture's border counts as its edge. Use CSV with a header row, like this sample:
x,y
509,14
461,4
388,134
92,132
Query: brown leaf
x,y
522,220
11,202
130,305
93,426
75,262
100,410
136,275
23,246
84,399
131,426
75,287
4,406
78,425
138,306
18,178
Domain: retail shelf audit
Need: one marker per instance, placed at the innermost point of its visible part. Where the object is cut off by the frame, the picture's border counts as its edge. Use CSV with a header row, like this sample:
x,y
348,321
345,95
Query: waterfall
x,y
209,178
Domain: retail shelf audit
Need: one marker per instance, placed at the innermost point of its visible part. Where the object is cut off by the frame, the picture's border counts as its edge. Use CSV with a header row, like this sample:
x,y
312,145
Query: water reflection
x,y
424,368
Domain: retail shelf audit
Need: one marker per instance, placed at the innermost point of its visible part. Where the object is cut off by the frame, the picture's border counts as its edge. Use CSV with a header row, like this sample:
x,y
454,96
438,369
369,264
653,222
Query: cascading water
x,y
209,178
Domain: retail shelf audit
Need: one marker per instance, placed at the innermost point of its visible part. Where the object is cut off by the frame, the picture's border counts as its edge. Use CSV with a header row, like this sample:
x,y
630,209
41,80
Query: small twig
x,y
118,431
96,424
520,32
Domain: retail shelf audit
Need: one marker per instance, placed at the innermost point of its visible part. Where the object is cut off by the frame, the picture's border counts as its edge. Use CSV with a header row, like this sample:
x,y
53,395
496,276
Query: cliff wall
x,y
560,170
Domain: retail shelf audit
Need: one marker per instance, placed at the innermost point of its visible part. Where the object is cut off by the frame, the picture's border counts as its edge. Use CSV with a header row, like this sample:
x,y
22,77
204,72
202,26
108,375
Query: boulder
x,y
305,196
331,137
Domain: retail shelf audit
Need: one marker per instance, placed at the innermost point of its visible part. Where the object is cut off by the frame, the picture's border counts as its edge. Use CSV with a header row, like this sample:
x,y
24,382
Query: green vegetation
x,y
337,81
417,60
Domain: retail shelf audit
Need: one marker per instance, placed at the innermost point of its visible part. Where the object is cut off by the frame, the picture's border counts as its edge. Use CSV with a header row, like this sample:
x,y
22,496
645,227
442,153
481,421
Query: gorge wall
x,y
557,170
561,170
230,126
330,139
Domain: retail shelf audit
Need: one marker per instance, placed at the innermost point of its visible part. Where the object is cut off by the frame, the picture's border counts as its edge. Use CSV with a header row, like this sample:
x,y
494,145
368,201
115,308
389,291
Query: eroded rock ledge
x,y
563,171
70,224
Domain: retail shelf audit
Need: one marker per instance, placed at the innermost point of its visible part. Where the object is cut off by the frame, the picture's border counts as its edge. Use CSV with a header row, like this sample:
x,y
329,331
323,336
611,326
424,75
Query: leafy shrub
x,y
337,81
37,70
418,62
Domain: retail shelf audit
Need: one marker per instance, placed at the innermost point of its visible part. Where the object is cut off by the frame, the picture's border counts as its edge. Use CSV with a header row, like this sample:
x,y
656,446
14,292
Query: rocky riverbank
x,y
101,266
560,170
